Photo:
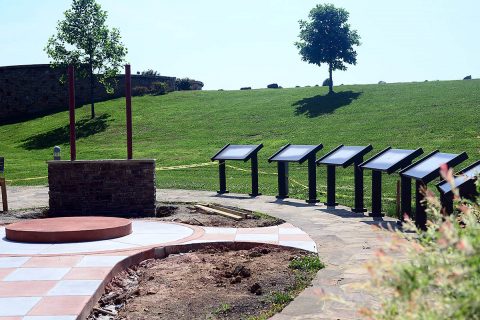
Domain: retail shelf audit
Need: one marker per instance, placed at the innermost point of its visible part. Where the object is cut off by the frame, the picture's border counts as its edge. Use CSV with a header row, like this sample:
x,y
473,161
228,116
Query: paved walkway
x,y
344,241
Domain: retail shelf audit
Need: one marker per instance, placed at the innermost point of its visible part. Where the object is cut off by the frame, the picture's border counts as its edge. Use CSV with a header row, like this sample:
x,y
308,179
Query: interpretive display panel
x,y
345,156
242,153
464,176
296,153
236,152
424,171
390,160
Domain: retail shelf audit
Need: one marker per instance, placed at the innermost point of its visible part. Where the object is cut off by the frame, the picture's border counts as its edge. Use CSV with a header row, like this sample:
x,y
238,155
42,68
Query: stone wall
x,y
30,90
102,187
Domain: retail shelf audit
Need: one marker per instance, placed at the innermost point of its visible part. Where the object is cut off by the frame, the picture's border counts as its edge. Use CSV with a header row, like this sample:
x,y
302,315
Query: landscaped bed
x,y
180,213
211,283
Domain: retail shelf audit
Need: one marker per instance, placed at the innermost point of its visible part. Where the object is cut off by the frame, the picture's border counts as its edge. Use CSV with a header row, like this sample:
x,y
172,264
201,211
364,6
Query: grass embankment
x,y
185,128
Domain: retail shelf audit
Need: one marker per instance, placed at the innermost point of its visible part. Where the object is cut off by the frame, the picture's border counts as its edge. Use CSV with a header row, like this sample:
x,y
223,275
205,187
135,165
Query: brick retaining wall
x,y
102,187
30,90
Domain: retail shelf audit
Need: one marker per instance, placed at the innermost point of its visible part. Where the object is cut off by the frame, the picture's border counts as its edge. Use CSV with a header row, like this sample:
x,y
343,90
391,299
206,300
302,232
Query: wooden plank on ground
x,y
229,210
220,212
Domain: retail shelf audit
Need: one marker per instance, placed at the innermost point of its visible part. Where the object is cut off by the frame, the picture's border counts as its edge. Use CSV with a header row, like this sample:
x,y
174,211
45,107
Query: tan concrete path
x,y
345,241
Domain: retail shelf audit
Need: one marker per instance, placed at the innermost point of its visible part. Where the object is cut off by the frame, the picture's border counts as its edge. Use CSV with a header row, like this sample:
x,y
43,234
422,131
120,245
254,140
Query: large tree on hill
x,y
327,38
83,39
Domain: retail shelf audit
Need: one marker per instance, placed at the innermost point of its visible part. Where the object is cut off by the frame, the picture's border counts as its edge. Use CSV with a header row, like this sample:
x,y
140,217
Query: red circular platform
x,y
68,229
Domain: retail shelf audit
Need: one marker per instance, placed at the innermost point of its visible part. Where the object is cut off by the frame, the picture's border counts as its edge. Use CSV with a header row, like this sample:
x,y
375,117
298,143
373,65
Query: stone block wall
x,y
102,187
30,90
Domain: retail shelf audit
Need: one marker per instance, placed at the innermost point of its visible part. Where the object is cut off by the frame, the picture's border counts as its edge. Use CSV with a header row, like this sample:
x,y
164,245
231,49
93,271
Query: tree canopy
x,y
327,38
83,39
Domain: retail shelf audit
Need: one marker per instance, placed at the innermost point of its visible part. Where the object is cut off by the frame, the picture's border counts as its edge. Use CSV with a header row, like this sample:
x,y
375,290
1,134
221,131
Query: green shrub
x,y
159,88
441,278
183,84
140,91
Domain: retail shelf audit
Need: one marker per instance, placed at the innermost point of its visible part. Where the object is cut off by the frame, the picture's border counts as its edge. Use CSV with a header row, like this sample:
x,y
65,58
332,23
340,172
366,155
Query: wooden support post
x,y
3,186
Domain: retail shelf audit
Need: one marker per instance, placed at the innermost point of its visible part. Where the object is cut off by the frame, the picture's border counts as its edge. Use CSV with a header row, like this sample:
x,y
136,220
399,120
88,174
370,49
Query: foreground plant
x,y
441,278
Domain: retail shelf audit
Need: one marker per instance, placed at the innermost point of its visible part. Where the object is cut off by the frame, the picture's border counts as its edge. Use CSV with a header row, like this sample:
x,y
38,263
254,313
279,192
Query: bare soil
x,y
211,283
18,215
189,214
181,213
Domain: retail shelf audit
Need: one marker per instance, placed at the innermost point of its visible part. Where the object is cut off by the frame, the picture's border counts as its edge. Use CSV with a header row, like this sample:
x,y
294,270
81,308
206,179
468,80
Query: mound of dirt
x,y
207,284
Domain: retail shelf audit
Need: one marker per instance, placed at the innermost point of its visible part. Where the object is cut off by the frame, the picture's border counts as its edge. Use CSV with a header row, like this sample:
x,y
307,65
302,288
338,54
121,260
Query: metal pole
x,y
358,174
254,164
376,194
222,176
331,186
447,202
406,193
312,180
71,100
128,97
420,213
282,180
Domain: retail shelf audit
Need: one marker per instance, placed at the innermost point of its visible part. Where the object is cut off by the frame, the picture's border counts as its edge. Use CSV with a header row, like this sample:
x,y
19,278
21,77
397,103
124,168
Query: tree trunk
x,y
92,87
330,84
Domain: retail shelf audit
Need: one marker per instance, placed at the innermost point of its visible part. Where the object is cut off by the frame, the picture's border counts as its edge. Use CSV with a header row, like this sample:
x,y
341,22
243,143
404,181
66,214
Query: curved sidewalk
x,y
344,241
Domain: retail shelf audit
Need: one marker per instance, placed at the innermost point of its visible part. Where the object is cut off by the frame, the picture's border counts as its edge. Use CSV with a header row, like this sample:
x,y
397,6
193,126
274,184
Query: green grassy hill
x,y
186,128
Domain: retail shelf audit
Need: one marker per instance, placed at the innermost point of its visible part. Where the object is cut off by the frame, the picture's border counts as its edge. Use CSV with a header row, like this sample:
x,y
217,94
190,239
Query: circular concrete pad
x,y
68,229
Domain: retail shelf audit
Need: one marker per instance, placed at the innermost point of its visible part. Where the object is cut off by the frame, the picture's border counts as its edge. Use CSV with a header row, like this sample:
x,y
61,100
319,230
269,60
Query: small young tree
x,y
327,38
83,39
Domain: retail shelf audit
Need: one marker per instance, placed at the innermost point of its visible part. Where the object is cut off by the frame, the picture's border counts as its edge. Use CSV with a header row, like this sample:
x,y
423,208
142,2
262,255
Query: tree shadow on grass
x,y
84,128
320,105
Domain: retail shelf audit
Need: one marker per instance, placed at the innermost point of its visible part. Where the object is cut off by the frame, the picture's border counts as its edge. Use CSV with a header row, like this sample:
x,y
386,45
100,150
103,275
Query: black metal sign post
x,y
388,160
424,171
222,174
405,196
238,152
331,178
254,168
359,203
345,156
312,179
282,171
464,181
376,194
300,154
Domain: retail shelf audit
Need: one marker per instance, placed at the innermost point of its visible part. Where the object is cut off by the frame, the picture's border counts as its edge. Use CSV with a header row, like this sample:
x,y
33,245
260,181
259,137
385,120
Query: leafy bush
x,y
441,278
326,82
159,88
150,73
140,91
183,84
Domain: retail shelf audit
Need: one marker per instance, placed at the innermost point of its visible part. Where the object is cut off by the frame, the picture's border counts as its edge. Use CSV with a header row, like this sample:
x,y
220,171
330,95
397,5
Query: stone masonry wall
x,y
30,90
102,187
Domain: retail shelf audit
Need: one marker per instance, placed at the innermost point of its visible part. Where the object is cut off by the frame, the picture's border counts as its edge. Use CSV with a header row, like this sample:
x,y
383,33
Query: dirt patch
x,y
18,215
189,214
181,213
209,284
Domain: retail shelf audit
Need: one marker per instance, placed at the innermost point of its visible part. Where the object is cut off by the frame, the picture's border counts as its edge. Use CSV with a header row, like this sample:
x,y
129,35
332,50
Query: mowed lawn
x,y
187,128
